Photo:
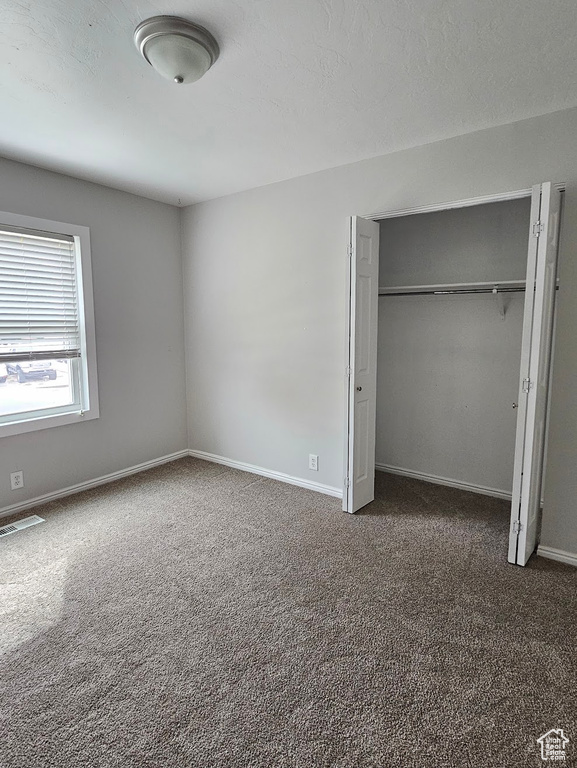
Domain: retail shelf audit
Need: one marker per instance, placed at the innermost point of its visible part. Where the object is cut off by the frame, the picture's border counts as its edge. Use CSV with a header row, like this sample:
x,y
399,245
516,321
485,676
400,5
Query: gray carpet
x,y
195,615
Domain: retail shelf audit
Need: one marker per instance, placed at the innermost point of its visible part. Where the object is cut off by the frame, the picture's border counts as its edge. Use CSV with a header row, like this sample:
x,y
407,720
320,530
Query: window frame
x,y
88,379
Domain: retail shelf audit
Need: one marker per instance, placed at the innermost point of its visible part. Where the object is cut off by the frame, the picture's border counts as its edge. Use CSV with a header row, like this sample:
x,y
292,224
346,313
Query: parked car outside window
x,y
32,370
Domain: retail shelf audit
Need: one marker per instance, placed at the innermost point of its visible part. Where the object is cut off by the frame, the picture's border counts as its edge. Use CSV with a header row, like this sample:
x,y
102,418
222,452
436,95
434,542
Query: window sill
x,y
45,422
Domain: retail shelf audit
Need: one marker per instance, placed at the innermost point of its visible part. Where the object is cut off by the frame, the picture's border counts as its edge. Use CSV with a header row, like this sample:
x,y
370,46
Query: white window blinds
x,y
38,296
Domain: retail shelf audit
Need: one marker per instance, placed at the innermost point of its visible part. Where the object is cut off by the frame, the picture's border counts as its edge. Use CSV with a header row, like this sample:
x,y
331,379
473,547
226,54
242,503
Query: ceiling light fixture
x,y
177,49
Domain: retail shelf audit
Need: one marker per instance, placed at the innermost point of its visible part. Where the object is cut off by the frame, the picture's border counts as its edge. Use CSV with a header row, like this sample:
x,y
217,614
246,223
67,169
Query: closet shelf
x,y
498,286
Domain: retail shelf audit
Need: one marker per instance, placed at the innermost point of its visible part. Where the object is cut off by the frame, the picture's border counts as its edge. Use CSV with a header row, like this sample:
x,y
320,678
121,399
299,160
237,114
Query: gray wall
x,y
448,374
265,307
136,266
467,245
448,366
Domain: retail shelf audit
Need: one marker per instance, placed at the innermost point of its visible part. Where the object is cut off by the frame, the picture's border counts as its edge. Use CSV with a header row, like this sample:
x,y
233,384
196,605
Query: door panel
x,y
524,374
362,364
534,385
361,468
363,329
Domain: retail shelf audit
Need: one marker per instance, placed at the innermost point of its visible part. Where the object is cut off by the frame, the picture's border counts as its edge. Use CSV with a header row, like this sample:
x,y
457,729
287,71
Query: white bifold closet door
x,y
361,401
534,377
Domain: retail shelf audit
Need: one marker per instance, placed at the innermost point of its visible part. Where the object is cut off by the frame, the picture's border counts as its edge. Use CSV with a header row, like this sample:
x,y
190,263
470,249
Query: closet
x,y
449,348
449,337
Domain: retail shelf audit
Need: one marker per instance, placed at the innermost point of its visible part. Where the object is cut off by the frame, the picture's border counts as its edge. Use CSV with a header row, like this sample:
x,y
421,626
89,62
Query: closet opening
x,y
451,312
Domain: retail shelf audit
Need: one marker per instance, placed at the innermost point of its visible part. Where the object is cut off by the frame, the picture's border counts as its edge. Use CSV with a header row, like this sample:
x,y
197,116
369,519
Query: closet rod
x,y
452,291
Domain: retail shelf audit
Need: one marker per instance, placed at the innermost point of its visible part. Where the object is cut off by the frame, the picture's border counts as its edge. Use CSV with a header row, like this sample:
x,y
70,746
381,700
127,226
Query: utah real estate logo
x,y
554,745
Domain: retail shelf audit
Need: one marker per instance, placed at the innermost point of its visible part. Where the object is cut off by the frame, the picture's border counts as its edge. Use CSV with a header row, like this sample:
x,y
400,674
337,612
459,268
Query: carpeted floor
x,y
198,616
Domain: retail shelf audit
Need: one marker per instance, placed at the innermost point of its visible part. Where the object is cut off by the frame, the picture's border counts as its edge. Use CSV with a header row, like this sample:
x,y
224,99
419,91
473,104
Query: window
x,y
47,346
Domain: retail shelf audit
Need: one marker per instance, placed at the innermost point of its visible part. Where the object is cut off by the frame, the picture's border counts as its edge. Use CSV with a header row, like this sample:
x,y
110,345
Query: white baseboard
x,y
444,481
21,506
558,554
311,485
328,490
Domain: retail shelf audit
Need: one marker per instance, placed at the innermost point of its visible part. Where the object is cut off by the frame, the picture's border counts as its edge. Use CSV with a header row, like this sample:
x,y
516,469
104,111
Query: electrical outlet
x,y
17,480
313,462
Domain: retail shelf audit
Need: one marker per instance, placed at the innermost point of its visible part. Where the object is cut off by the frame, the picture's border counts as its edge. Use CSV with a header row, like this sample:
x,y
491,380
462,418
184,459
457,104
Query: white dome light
x,y
177,49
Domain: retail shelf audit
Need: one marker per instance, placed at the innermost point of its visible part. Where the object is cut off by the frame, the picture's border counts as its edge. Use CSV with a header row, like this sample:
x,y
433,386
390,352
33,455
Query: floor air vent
x,y
20,524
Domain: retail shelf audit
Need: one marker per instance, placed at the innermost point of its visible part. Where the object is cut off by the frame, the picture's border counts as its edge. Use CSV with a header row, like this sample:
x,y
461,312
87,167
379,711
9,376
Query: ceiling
x,y
300,85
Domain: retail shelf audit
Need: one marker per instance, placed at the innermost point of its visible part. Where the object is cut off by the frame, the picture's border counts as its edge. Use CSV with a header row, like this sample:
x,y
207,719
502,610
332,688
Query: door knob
x,y
359,389
515,405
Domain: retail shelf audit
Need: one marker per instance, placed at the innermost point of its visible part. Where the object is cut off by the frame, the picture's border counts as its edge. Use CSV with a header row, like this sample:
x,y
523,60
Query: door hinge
x,y
350,251
527,384
538,227
347,482
348,370
517,527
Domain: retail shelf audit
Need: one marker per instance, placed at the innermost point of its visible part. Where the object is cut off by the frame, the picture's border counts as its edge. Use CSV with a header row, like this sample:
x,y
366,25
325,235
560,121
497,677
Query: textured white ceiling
x,y
300,85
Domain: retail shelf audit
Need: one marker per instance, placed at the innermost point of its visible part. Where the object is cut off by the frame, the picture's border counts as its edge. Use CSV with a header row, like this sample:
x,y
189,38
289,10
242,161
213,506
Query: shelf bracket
x,y
500,301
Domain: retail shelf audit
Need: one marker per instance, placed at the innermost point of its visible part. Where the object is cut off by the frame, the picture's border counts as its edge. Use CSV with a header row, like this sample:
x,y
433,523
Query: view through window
x,y
27,385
